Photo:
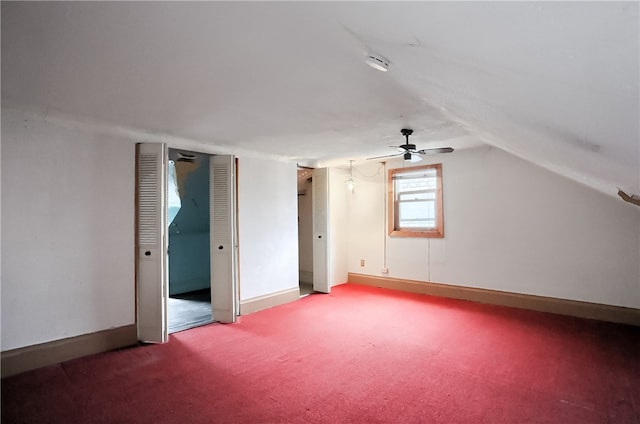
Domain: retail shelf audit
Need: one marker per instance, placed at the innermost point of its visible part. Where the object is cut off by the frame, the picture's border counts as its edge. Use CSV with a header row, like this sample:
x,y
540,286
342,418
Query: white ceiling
x,y
554,83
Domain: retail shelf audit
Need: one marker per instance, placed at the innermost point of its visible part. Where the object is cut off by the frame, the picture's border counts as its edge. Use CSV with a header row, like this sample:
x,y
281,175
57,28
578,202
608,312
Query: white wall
x,y
268,228
511,226
68,226
67,231
367,230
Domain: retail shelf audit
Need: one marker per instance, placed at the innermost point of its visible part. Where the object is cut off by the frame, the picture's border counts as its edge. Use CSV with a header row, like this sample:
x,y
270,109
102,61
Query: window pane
x,y
420,214
415,194
417,202
418,195
408,175
416,184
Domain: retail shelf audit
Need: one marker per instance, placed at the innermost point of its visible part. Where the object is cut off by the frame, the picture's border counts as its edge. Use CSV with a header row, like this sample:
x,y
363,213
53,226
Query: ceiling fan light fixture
x,y
408,150
377,62
411,157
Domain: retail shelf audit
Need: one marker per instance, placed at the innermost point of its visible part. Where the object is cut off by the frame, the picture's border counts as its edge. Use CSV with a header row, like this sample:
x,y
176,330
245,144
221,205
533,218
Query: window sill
x,y
424,233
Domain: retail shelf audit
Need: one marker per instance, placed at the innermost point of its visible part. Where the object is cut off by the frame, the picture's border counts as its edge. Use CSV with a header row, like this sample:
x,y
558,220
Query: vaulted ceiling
x,y
554,83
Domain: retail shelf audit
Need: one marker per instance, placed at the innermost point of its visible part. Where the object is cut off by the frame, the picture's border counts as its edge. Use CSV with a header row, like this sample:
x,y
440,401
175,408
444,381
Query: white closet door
x,y
223,244
151,266
320,201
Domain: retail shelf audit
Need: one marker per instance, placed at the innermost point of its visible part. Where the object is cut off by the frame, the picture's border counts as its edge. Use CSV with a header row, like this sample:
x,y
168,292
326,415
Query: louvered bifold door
x,y
151,242
320,202
223,244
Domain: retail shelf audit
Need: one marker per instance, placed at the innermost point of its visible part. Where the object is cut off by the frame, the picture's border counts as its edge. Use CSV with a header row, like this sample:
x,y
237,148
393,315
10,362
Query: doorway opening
x,y
305,230
189,259
153,253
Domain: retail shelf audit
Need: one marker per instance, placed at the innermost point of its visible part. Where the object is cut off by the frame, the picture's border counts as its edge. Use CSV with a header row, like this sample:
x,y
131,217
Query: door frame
x,y
321,230
235,253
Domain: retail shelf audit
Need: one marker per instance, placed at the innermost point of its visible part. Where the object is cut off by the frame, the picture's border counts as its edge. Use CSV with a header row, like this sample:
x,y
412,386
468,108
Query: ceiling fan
x,y
408,150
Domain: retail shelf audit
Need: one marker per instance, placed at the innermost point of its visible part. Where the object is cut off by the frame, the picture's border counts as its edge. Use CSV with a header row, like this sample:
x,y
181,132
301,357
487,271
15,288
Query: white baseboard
x,y
574,308
27,358
259,303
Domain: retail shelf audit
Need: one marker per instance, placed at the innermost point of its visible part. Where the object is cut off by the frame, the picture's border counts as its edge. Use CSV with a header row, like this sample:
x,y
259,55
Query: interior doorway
x,y
305,230
189,259
152,228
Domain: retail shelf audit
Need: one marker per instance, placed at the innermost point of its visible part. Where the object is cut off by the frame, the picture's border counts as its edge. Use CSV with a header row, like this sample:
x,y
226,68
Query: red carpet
x,y
359,355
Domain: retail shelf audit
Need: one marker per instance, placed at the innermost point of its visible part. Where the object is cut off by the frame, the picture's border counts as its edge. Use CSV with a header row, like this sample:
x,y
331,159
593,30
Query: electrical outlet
x,y
361,262
385,270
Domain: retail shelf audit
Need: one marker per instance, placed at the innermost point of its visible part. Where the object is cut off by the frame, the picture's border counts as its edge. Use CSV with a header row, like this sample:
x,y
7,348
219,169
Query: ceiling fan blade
x,y
435,151
386,156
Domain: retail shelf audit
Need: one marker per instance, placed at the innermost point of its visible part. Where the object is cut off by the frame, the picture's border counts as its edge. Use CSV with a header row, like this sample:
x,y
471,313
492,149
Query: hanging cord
x,y
362,175
385,215
429,260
